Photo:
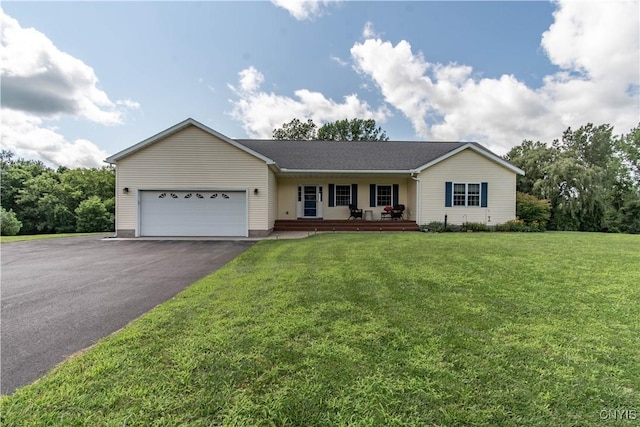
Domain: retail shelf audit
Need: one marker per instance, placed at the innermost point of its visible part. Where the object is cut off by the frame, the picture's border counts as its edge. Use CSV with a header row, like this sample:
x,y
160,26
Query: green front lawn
x,y
373,329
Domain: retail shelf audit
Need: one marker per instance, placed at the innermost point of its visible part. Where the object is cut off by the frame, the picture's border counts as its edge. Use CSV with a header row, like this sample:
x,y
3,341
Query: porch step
x,y
344,225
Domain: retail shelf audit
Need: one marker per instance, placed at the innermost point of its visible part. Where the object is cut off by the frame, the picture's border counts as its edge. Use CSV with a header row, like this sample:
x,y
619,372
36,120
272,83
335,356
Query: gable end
x,y
177,128
476,149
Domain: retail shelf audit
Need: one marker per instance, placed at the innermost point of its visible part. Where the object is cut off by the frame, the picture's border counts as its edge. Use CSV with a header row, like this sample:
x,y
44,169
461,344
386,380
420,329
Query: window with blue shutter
x,y
339,195
484,195
466,194
354,194
394,194
372,195
332,195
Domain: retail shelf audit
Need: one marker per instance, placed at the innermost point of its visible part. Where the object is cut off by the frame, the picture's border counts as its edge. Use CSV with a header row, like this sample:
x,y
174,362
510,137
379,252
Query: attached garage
x,y
193,213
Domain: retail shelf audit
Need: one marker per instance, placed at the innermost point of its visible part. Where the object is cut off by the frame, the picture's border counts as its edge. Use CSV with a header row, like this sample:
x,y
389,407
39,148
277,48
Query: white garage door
x,y
193,213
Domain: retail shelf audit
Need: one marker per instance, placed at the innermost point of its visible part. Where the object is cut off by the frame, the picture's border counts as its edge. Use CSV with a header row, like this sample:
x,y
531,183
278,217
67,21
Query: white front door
x,y
309,201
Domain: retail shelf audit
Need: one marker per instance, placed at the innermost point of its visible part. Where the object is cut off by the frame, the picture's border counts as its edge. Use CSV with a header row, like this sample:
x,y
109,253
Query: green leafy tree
x,y
9,223
629,221
91,182
530,209
352,130
92,216
590,145
629,148
36,201
576,193
341,130
587,176
533,158
296,130
13,175
80,184
45,200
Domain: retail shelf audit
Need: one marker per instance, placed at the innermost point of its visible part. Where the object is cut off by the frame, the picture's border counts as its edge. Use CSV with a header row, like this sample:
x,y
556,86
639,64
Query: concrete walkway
x,y
279,235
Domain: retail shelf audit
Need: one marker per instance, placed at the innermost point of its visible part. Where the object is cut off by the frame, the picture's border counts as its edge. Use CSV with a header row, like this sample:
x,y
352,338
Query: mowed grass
x,y
9,239
373,330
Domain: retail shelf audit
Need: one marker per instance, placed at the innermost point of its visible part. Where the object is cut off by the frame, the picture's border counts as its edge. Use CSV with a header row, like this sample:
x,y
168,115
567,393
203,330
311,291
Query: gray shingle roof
x,y
355,156
350,156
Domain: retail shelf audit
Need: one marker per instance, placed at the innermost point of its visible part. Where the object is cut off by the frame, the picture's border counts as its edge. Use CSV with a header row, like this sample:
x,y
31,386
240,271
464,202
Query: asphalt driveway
x,y
62,295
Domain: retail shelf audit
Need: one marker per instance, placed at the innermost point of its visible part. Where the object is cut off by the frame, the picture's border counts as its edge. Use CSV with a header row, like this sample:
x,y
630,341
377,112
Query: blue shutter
x,y
332,195
484,194
372,195
394,194
448,193
354,194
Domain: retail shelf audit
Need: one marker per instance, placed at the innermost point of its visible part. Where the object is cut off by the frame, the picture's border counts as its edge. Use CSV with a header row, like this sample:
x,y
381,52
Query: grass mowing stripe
x,y
370,329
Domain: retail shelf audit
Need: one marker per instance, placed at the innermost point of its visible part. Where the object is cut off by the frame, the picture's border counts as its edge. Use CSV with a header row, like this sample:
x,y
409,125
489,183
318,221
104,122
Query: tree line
x,y
340,130
589,179
37,199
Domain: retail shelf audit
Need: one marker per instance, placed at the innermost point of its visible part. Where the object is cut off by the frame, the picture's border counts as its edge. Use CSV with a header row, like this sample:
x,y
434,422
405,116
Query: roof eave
x,y
349,171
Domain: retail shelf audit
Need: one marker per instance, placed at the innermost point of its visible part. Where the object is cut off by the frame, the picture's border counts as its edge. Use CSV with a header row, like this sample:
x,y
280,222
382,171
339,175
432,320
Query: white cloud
x,y
260,112
303,9
28,137
600,39
368,32
250,79
341,62
596,45
40,82
128,103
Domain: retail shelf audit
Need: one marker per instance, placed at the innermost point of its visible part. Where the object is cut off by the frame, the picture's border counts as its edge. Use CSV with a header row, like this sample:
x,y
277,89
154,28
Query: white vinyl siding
x,y
273,199
191,159
464,168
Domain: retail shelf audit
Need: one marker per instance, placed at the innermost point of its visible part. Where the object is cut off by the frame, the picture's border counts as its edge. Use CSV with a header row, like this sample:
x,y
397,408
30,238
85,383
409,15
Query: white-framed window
x,y
459,194
466,194
384,195
473,194
342,195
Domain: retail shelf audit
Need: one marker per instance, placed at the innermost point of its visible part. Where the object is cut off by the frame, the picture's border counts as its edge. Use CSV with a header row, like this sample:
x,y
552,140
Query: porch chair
x,y
393,212
355,212
386,213
397,212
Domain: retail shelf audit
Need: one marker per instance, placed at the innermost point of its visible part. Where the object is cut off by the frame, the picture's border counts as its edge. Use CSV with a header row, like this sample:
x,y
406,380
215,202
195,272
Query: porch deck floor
x,y
345,225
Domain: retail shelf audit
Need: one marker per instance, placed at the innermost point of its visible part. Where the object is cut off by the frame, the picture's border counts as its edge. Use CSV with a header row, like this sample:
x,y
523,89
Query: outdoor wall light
x,y
125,190
255,191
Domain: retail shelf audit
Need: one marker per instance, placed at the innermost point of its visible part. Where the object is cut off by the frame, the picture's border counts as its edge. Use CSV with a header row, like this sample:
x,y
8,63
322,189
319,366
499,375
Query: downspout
x,y
418,198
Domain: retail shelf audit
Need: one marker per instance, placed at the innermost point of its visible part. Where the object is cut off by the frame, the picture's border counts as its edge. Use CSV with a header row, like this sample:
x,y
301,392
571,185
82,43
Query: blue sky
x,y
81,81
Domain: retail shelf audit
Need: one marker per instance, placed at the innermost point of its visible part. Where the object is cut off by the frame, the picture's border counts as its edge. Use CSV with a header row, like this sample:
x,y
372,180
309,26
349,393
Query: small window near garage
x,y
343,195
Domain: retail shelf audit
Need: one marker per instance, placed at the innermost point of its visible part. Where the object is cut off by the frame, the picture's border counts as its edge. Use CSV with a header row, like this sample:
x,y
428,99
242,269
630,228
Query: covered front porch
x,y
326,199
